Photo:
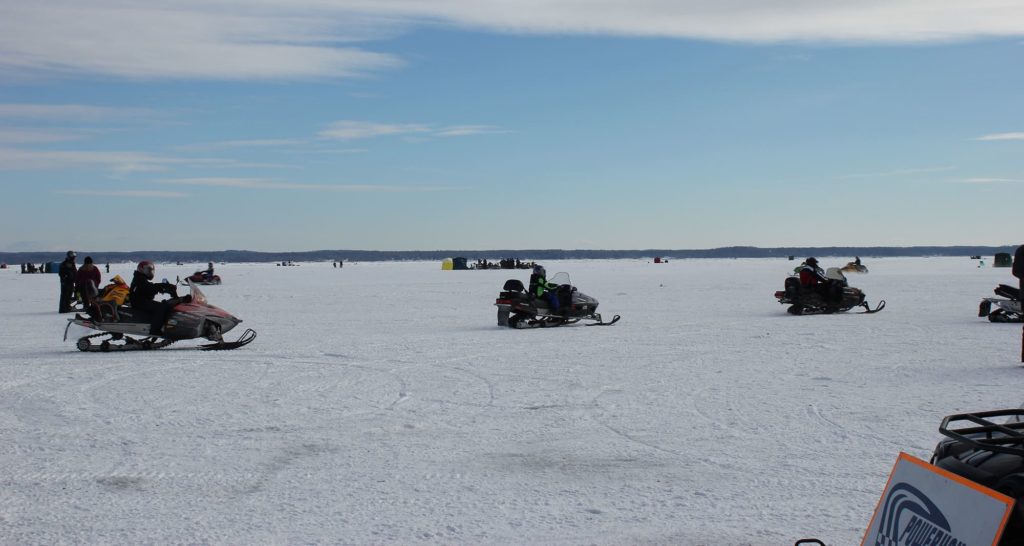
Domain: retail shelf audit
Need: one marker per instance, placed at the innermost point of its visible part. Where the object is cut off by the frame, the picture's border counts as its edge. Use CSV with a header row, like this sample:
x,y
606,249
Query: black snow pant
x,y
66,291
157,312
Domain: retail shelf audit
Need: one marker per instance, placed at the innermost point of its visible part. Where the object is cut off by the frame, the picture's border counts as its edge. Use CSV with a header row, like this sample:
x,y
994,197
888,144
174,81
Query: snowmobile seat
x,y
1007,292
514,285
792,287
103,311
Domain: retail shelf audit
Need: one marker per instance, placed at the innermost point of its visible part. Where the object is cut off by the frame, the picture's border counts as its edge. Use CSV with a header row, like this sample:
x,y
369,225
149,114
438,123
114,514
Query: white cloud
x,y
14,135
467,130
117,161
232,144
902,172
125,193
1002,136
268,39
263,184
69,112
983,180
351,129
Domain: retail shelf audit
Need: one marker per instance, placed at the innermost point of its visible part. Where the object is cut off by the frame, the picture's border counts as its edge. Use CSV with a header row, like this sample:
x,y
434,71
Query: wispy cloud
x,y
274,39
69,112
983,180
238,144
264,184
1001,136
467,130
901,172
126,193
117,161
353,130
14,135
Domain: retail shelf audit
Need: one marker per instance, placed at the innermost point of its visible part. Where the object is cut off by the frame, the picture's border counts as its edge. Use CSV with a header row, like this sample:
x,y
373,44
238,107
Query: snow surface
x,y
381,404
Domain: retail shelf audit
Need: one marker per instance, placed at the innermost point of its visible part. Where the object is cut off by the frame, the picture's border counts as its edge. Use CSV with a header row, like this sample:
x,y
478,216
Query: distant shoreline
x,y
228,256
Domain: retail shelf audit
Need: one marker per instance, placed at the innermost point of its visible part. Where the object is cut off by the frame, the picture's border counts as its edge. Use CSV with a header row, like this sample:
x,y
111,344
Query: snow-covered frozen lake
x,y
381,404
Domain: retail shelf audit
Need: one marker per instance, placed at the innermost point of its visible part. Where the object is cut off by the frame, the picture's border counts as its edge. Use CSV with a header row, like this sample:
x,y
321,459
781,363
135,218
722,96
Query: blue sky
x,y
474,124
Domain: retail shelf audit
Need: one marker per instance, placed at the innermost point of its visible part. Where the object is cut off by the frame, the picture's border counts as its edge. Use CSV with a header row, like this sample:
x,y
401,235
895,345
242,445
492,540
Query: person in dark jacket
x,y
1018,270
87,282
810,274
67,273
143,291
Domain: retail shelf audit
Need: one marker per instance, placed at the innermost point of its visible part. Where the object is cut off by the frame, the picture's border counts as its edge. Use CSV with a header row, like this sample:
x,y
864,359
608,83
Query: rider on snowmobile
x,y
812,277
541,288
810,274
208,273
142,292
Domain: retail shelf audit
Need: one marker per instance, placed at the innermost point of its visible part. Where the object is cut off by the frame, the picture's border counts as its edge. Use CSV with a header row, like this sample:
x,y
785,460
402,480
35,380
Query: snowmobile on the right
x,y
990,454
833,296
1007,306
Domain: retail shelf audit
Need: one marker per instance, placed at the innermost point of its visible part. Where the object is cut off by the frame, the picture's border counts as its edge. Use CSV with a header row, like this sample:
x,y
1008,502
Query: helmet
x,y
812,261
71,254
147,268
539,269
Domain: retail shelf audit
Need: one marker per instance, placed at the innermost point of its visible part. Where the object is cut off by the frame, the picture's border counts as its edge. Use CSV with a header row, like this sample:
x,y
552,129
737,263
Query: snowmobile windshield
x,y
197,294
560,278
835,273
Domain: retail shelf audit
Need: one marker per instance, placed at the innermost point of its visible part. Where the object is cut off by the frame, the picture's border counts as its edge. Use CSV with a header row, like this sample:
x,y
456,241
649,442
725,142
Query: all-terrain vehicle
x,y
987,447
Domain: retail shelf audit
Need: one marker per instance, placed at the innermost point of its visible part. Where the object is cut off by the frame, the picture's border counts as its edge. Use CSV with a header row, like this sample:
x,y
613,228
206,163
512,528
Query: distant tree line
x,y
227,256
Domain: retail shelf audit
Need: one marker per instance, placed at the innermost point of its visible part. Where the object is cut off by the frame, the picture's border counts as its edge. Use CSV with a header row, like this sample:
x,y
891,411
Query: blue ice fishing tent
x,y
459,264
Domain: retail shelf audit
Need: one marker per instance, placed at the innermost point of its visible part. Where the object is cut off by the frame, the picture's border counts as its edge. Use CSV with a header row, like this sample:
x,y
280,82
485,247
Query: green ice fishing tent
x,y
1003,259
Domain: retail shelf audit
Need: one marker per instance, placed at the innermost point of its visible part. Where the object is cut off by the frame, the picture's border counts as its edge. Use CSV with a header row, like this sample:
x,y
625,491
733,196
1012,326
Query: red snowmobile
x,y
191,318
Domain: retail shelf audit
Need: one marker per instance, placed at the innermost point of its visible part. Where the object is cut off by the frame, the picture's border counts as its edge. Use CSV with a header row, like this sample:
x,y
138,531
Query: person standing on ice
x,y
1018,270
540,288
67,273
142,292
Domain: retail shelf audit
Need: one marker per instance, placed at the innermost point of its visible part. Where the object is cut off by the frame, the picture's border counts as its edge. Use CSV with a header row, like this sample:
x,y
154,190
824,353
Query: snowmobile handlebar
x,y
988,435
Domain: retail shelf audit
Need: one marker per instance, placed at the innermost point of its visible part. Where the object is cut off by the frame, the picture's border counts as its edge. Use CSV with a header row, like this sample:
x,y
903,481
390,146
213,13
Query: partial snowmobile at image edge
x,y
1007,306
517,308
837,296
190,318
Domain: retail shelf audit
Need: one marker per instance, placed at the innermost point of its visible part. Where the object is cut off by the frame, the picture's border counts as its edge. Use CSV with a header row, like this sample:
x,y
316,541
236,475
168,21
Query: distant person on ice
x,y
208,273
142,292
67,273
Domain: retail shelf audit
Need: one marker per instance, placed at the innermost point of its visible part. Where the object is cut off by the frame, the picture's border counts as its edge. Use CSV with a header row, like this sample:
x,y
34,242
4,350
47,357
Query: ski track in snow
x,y
381,404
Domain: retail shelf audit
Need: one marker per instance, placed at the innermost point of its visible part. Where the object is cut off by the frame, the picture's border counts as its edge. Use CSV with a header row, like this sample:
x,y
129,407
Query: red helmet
x,y
147,268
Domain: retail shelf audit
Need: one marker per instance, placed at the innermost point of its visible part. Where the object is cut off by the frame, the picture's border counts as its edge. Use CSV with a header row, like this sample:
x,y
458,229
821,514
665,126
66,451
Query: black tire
x,y
83,344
